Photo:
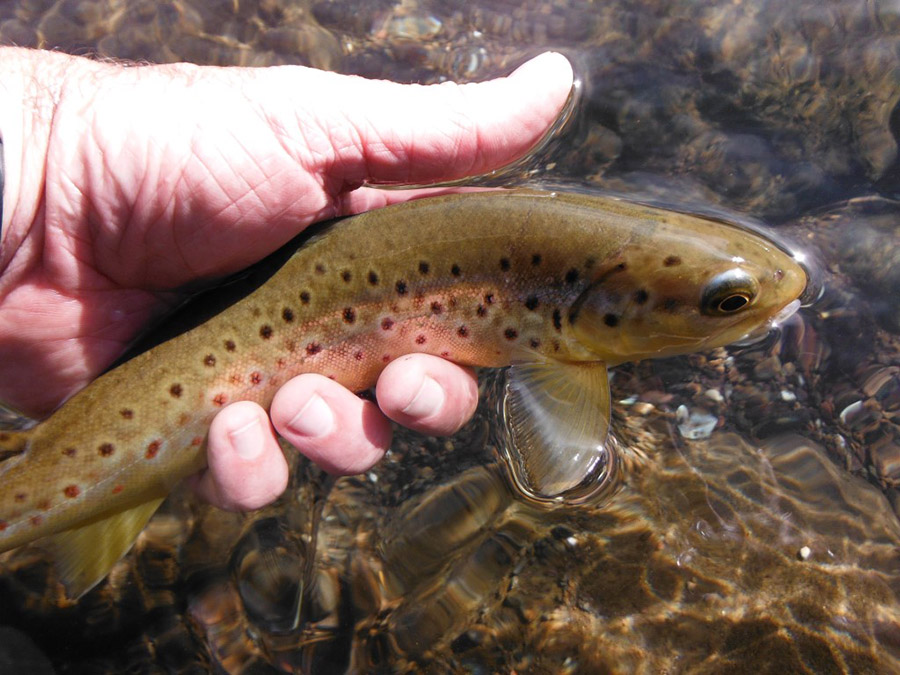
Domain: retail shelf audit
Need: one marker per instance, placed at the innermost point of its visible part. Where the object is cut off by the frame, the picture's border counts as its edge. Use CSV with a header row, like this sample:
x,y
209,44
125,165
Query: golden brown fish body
x,y
559,284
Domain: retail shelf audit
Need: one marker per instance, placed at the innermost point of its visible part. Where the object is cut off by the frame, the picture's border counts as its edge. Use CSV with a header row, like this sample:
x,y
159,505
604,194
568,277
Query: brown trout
x,y
560,286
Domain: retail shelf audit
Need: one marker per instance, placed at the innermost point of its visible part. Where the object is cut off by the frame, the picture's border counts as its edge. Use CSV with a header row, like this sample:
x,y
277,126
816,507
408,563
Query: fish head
x,y
699,285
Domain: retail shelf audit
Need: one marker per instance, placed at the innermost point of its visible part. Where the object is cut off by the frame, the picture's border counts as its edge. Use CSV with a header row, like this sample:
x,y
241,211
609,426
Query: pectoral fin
x,y
557,415
86,554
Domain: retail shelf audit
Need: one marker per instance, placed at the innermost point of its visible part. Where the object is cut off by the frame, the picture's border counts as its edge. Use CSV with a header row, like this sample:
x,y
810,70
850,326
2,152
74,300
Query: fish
x,y
558,287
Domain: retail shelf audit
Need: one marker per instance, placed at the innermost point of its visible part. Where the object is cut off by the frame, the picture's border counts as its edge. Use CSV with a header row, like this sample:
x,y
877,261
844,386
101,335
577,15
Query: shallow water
x,y
756,526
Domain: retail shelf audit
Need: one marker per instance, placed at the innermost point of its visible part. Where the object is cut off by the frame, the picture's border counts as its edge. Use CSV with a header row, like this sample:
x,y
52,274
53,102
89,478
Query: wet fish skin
x,y
559,283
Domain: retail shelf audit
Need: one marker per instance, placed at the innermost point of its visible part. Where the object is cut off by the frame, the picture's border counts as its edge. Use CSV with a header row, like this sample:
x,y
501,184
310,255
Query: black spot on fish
x,y
504,264
536,259
436,307
127,413
489,298
424,267
106,450
230,346
320,268
462,331
287,314
589,263
265,332
481,311
313,348
621,267
535,343
387,323
557,319
531,302
346,276
572,276
672,261
20,497
70,452
641,296
611,320
175,390
510,334
401,287
670,304
349,315
209,360
304,297
455,271
373,278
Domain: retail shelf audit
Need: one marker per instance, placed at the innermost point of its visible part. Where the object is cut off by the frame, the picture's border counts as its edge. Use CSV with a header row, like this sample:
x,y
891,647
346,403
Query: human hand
x,y
125,184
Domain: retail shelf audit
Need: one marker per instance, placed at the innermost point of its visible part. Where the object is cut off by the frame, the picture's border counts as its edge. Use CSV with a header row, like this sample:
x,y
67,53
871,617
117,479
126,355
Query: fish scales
x,y
481,279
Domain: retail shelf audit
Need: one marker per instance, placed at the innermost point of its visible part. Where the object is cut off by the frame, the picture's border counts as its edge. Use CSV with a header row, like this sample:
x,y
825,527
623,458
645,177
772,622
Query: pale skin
x,y
125,184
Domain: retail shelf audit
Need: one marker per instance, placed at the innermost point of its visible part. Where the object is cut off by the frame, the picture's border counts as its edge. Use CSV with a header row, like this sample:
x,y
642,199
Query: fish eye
x,y
728,293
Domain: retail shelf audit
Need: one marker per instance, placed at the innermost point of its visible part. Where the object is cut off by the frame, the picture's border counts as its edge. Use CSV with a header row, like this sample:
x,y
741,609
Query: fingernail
x,y
427,401
248,440
314,419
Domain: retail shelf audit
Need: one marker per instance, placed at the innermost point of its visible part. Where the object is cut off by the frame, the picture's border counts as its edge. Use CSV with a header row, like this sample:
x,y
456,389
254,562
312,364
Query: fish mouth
x,y
762,331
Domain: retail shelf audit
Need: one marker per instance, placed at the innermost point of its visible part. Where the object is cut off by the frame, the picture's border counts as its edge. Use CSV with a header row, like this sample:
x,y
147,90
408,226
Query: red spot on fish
x,y
290,345
106,449
230,346
421,339
20,496
436,307
445,354
209,360
280,363
387,323
117,489
197,440
71,491
235,379
255,377
386,358
70,452
153,449
462,331
332,377
358,356
219,400
3,525
313,348
126,413
36,521
4,437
